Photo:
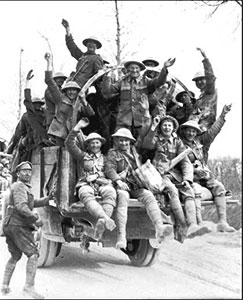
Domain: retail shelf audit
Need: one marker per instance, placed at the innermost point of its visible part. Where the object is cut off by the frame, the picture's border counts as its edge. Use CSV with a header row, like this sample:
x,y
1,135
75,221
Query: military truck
x,y
64,222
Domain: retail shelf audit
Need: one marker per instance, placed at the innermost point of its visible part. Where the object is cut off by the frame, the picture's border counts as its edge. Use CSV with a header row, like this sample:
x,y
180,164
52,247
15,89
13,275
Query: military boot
x,y
199,214
31,268
222,225
9,269
121,218
153,211
193,229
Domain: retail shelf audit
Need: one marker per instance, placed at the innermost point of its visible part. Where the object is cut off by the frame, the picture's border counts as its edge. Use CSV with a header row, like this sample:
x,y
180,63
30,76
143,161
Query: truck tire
x,y
141,253
48,251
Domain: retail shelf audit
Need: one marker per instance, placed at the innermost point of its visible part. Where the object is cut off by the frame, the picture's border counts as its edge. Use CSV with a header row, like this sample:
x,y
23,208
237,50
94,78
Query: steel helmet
x,y
71,84
150,60
127,63
95,136
94,40
193,124
38,100
124,132
199,74
59,74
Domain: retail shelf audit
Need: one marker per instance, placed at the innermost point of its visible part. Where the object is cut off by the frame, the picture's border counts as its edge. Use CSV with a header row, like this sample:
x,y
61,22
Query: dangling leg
x,y
153,211
86,194
121,218
218,191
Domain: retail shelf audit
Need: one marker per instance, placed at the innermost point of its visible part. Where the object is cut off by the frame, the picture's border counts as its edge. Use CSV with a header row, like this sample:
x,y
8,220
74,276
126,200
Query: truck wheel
x,y
48,251
141,253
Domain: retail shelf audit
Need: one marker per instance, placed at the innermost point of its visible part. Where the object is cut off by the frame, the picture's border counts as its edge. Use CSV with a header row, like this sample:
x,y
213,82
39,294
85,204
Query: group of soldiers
x,y
114,130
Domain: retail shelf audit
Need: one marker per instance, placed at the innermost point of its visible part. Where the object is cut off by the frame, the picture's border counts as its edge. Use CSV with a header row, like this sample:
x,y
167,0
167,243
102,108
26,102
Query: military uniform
x,y
88,63
133,92
62,121
197,158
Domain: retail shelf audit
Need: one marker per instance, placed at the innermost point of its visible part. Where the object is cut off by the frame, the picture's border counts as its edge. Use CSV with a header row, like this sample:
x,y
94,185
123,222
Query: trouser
x,y
121,216
188,197
99,210
218,191
151,204
174,201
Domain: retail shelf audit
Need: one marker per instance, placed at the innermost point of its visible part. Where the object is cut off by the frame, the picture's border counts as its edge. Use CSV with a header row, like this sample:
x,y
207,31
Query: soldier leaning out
x,y
193,138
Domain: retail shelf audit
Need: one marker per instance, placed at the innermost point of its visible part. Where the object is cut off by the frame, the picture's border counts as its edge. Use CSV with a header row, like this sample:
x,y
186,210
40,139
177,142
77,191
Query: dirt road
x,y
202,268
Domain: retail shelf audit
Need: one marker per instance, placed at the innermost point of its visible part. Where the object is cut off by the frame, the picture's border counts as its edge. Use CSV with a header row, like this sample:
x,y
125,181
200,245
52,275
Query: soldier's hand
x,y
91,177
30,75
82,123
186,185
144,102
168,63
202,51
226,109
122,185
39,222
47,56
65,23
155,122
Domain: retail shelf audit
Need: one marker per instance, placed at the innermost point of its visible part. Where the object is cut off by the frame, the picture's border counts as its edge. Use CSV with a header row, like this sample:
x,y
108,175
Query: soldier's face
x,y
167,128
134,70
123,143
24,175
200,83
190,133
91,46
72,93
59,81
94,146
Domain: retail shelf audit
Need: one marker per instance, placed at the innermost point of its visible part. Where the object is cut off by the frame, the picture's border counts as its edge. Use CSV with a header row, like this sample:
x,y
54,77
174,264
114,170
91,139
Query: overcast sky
x,y
159,29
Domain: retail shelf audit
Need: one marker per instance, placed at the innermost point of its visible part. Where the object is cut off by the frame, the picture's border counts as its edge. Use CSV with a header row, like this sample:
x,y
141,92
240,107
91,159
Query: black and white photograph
x,y
121,149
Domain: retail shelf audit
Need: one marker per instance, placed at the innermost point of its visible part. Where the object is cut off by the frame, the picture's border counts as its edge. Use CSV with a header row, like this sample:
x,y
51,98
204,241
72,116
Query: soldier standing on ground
x,y
18,225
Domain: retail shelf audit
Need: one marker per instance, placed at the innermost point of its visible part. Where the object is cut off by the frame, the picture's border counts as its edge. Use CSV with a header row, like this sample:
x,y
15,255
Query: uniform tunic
x,y
133,92
88,63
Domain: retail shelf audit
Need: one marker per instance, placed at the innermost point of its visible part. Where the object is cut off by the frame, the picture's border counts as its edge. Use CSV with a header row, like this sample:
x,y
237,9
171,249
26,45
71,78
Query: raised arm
x,y
209,74
73,137
207,137
71,45
52,86
161,79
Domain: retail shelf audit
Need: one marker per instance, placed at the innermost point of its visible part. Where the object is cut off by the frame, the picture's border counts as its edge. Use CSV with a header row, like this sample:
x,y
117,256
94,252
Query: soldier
x,y
207,101
167,147
89,63
193,137
133,110
36,114
92,181
184,108
65,99
18,225
119,166
59,79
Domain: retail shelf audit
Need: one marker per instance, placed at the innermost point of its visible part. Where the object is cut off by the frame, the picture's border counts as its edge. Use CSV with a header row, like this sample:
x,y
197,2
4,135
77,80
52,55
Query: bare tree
x,y
49,46
20,84
217,4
